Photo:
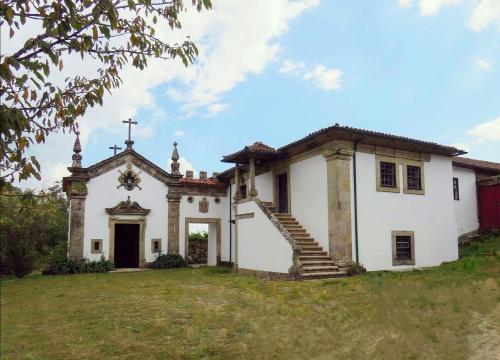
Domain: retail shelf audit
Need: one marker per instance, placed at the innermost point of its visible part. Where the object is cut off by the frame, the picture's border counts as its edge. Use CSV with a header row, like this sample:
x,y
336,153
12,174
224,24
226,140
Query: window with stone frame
x,y
155,245
387,174
414,177
456,191
403,248
96,246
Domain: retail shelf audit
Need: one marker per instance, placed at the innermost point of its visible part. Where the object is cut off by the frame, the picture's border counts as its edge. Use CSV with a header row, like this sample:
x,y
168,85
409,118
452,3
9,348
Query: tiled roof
x,y
260,146
363,132
256,148
205,182
476,164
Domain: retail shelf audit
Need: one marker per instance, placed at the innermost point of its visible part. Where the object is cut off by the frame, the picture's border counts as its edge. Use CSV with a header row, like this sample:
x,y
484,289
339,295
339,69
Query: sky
x,y
274,71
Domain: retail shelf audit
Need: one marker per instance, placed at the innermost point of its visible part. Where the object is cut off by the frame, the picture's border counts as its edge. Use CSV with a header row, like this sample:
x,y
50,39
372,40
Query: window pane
x,y
414,177
403,247
387,174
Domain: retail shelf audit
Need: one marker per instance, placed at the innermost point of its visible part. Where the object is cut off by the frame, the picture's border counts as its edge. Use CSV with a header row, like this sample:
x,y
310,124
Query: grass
x,y
447,312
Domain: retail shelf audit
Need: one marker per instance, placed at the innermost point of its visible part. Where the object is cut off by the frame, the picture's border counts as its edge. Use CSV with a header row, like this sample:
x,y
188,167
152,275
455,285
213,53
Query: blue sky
x,y
427,69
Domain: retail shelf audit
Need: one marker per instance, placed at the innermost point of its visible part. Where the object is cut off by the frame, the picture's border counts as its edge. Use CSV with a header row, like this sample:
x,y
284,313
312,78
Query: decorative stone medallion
x,y
217,200
203,205
129,179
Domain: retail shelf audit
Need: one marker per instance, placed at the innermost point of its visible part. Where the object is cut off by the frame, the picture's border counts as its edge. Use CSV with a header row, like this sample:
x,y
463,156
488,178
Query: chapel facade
x,y
319,207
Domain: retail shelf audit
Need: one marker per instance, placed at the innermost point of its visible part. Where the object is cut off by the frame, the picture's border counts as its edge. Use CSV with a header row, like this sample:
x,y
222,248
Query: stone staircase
x,y
315,261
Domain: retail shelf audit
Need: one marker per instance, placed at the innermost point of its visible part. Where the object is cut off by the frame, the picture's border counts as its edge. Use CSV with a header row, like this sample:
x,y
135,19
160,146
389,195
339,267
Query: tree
x,y
31,226
113,32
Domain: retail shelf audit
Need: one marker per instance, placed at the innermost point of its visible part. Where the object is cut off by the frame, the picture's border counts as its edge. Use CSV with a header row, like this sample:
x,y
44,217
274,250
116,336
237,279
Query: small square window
x,y
155,245
96,246
456,192
414,177
403,247
387,174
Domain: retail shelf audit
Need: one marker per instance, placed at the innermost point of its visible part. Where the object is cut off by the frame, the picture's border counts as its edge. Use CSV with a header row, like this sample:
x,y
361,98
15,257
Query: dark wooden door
x,y
127,245
489,207
283,193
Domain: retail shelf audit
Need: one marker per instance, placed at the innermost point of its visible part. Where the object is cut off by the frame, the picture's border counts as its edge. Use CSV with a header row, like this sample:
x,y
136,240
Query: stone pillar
x,y
253,191
338,163
237,193
76,227
174,199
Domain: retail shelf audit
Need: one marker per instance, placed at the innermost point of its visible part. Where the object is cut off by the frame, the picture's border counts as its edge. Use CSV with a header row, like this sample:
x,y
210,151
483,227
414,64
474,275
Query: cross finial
x,y
129,142
115,148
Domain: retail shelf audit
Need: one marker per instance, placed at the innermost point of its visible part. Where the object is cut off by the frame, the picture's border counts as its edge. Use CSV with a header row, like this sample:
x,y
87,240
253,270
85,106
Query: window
x,y
96,246
155,245
413,177
456,192
403,248
243,191
387,174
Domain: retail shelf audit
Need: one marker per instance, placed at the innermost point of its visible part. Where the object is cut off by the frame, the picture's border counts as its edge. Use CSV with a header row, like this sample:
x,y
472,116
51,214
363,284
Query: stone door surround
x,y
113,220
216,221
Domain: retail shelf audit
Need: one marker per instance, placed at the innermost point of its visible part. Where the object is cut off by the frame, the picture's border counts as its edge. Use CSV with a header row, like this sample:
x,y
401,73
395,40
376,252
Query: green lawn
x,y
449,312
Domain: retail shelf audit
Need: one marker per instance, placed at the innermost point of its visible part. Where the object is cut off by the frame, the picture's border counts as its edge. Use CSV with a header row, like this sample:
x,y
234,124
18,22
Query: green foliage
x,y
200,236
60,264
111,33
167,261
31,225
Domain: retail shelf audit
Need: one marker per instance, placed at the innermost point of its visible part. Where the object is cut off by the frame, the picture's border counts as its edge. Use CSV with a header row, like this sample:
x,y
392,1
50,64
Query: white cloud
x,y
292,67
485,14
432,7
320,75
483,64
180,133
487,131
184,165
405,3
324,78
54,173
214,109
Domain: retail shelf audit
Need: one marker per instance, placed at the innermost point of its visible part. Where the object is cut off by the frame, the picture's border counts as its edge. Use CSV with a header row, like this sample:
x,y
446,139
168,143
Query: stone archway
x,y
210,221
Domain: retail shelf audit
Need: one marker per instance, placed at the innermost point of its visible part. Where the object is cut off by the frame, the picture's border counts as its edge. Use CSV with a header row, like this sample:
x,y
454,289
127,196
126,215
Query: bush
x,y
167,261
61,265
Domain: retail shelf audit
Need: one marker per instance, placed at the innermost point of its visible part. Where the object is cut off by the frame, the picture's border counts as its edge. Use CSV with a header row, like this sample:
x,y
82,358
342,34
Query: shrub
x,y
167,261
61,265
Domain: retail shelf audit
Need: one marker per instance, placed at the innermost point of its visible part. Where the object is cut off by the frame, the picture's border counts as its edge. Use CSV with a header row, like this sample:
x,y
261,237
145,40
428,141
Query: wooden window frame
x,y
456,196
92,246
397,261
406,189
386,159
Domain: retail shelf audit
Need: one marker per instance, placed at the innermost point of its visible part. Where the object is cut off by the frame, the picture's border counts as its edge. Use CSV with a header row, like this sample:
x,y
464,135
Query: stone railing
x,y
296,268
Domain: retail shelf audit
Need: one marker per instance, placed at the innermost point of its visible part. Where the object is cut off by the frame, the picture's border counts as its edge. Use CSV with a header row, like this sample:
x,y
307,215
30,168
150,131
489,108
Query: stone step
x,y
303,258
317,263
306,242
323,275
313,253
323,268
297,231
289,222
311,247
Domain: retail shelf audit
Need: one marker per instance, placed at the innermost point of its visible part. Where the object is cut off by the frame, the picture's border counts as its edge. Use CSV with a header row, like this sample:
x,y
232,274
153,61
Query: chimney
x,y
203,174
215,174
189,174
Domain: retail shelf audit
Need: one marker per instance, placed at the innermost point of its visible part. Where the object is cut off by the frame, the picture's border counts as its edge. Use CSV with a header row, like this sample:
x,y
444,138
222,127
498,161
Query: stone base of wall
x,y
268,275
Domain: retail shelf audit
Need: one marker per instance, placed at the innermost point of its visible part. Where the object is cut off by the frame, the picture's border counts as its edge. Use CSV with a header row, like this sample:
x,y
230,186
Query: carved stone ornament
x,y
128,208
203,205
129,179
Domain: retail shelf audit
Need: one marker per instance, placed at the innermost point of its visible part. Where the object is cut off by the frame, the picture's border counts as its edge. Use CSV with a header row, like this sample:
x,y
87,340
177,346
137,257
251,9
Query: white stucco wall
x,y
309,197
260,245
102,194
465,208
430,216
264,186
191,210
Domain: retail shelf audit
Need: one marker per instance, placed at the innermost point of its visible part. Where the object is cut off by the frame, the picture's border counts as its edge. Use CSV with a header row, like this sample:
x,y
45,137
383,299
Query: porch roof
x,y
258,150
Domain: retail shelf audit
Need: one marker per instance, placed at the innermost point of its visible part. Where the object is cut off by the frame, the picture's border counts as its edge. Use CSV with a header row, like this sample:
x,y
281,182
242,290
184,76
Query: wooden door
x,y
489,207
283,193
126,245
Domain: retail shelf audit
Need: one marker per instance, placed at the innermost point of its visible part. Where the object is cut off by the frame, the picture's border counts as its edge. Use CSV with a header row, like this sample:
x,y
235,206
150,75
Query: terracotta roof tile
x,y
260,146
476,164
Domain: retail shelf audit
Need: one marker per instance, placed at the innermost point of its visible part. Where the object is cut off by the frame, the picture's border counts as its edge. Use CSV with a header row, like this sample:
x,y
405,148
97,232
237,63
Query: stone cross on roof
x,y
114,148
129,142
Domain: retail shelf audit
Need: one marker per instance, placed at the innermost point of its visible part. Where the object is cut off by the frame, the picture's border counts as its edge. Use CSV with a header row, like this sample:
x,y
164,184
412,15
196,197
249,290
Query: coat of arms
x,y
129,179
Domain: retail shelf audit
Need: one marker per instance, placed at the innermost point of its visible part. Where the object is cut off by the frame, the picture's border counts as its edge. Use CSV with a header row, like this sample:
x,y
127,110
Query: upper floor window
x,y
387,174
414,177
456,192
